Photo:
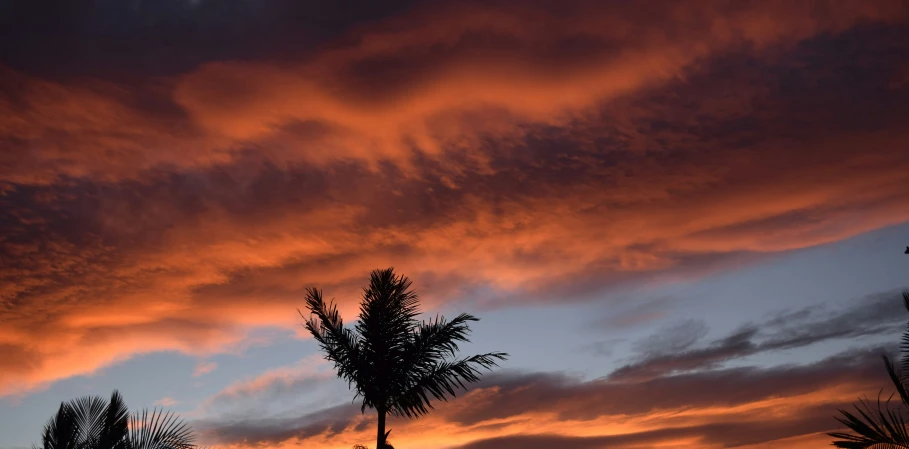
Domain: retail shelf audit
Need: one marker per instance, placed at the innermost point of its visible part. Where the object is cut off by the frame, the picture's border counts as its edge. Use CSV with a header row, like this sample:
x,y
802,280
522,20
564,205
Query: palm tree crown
x,y
90,422
882,426
396,363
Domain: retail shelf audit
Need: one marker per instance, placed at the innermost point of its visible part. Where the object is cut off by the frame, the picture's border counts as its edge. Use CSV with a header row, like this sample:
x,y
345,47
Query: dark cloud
x,y
668,352
602,348
510,395
571,399
678,337
128,39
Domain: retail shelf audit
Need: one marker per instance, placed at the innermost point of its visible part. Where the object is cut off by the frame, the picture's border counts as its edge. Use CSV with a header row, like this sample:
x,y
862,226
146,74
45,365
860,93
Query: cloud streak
x,y
274,384
203,368
671,352
705,409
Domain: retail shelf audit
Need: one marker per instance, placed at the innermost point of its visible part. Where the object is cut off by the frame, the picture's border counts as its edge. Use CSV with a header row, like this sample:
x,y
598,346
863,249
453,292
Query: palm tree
x,y
880,426
90,422
394,361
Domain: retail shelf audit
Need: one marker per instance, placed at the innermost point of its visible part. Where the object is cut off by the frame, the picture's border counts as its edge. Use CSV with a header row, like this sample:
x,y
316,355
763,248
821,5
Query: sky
x,y
683,220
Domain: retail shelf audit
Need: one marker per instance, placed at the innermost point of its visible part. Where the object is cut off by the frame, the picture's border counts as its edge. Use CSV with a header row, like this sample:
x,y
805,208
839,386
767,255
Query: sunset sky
x,y
684,220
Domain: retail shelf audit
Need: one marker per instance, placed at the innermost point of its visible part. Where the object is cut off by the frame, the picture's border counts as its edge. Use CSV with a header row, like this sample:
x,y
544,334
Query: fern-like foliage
x,y
881,424
90,422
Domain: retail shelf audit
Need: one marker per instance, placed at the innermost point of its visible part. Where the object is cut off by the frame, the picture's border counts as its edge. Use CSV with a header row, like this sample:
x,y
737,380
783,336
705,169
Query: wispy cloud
x,y
308,383
708,408
671,351
166,402
203,368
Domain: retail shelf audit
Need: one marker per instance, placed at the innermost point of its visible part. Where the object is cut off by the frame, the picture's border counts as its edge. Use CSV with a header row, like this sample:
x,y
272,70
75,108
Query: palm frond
x,y
897,379
440,382
882,425
90,422
432,342
904,344
61,431
388,311
341,345
440,338
158,429
116,423
88,411
387,318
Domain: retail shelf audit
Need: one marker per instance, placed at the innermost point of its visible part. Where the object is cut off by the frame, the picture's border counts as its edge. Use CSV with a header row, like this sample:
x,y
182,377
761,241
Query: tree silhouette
x,y
395,362
90,422
879,425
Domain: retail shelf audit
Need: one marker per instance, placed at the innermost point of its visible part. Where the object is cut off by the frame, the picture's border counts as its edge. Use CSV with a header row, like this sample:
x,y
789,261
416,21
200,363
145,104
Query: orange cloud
x,y
432,80
203,368
445,78
89,129
462,145
166,402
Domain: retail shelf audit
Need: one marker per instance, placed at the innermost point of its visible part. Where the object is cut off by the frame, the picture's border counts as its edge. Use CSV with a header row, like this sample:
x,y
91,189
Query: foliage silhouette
x,y
90,422
395,362
879,425
387,444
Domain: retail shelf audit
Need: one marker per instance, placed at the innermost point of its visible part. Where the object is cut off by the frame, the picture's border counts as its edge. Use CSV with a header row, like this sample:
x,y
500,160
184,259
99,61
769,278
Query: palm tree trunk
x,y
380,438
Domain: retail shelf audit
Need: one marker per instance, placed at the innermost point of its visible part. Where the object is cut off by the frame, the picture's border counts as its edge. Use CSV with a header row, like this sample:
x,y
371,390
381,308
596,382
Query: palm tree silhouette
x,y
394,361
878,425
90,422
